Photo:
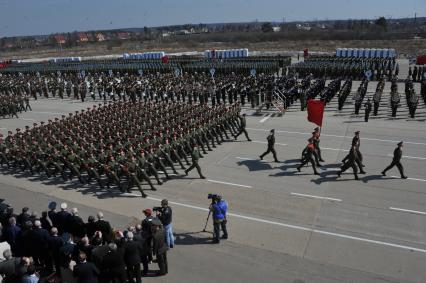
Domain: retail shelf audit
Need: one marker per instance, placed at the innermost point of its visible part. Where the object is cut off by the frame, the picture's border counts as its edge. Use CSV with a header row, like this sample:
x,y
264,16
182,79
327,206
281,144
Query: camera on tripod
x,y
212,196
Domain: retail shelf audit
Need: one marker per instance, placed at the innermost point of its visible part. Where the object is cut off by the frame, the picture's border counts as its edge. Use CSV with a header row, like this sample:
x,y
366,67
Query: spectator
x,y
132,258
12,234
55,245
23,217
160,247
90,227
104,227
8,267
141,237
99,250
77,226
113,264
30,276
40,243
45,223
85,246
34,216
52,214
147,229
84,271
62,218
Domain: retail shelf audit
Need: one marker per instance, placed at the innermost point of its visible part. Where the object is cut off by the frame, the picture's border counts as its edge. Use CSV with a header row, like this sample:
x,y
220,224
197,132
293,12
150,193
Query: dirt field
x,y
405,48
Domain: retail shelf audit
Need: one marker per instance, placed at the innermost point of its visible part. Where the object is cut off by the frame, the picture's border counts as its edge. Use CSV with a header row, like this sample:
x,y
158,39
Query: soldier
x,y
130,169
308,156
271,143
397,155
242,127
395,99
351,162
368,107
358,160
195,156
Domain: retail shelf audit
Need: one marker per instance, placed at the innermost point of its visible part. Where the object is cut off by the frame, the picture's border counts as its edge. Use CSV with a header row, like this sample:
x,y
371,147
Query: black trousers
x,y
350,164
162,263
398,165
242,130
216,229
270,149
134,272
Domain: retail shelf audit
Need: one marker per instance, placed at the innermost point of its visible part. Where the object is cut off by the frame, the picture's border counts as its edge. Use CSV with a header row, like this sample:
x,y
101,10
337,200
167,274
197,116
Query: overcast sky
x,y
29,17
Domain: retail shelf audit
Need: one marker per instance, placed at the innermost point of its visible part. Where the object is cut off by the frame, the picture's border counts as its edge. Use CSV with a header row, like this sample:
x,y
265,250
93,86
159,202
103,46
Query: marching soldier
x,y
396,161
308,156
242,127
368,107
271,144
195,156
352,160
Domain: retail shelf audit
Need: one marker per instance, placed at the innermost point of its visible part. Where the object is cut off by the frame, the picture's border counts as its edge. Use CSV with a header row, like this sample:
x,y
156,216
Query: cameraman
x,y
165,216
219,208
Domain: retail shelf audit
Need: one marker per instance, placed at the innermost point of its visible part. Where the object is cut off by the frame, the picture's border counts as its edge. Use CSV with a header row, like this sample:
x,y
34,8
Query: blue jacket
x,y
219,210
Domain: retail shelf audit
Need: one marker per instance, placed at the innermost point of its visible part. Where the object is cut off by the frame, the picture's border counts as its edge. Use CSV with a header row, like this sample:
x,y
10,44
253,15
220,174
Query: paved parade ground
x,y
284,226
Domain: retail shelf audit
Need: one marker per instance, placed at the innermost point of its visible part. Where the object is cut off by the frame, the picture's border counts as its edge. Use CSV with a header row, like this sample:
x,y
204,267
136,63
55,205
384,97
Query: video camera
x,y
157,208
212,196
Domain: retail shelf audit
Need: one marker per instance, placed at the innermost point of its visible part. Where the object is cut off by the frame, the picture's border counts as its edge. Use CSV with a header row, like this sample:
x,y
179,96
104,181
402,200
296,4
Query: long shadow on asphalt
x,y
255,165
368,178
185,239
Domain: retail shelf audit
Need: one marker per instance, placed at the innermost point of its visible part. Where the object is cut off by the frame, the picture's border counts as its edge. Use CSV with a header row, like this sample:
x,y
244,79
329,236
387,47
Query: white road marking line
x,y
54,113
337,136
243,158
336,149
282,144
3,128
413,179
301,228
263,120
407,210
231,184
311,196
410,157
27,119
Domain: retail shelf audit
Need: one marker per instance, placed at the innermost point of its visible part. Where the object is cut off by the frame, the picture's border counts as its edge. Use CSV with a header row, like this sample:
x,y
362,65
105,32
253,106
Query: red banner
x,y
316,111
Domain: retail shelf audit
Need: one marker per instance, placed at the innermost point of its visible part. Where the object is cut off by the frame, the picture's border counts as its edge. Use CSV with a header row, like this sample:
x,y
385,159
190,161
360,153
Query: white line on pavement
x,y
412,179
54,113
3,128
407,210
231,184
301,228
263,120
318,197
27,119
410,157
337,136
282,144
336,149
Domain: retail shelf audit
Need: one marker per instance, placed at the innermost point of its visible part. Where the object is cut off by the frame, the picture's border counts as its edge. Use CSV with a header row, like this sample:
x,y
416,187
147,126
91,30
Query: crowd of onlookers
x,y
58,246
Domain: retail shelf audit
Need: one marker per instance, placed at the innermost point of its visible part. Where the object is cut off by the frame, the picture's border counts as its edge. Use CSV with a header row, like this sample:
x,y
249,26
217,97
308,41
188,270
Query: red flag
x,y
165,59
316,111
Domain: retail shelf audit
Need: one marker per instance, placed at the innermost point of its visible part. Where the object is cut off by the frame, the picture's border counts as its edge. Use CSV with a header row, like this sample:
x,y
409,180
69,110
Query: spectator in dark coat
x,y
23,217
90,227
142,237
52,214
113,265
11,234
85,246
132,258
160,248
99,250
63,218
8,267
84,271
104,227
45,223
40,242
55,245
77,226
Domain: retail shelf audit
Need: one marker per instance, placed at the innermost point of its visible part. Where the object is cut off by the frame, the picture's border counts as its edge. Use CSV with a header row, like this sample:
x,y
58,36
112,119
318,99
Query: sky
x,y
33,17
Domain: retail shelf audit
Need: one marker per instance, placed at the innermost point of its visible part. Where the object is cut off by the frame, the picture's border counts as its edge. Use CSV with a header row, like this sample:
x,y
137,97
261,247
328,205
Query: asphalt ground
x,y
284,226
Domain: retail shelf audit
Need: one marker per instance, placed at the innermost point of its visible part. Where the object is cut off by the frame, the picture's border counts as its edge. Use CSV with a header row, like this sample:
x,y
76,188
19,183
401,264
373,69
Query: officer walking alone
x,y
271,143
195,155
397,154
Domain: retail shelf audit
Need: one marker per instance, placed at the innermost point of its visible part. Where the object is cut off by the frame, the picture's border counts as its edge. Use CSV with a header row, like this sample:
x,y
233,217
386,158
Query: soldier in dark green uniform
x,y
195,156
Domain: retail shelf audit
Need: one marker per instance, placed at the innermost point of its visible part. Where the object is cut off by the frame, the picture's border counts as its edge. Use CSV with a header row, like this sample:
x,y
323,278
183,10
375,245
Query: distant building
x,y
100,37
82,37
183,32
60,39
123,35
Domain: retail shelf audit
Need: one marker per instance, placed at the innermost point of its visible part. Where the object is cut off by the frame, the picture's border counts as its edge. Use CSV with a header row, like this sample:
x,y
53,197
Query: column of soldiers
x,y
11,105
417,73
360,94
411,97
353,67
122,140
